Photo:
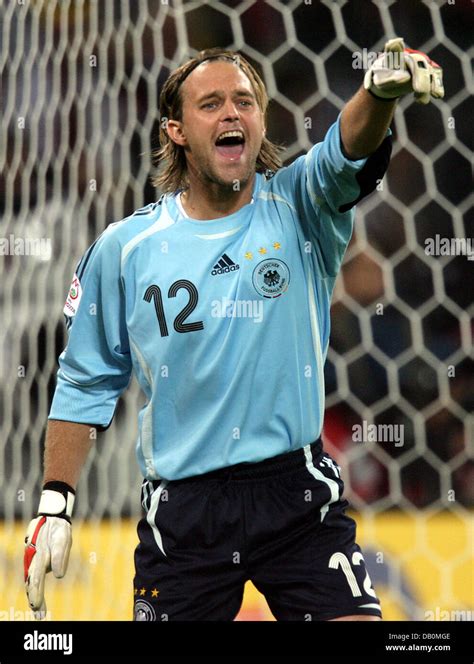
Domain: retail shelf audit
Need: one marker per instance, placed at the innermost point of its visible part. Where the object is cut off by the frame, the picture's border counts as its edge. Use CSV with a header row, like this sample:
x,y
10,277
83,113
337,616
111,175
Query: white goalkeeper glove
x,y
48,542
400,70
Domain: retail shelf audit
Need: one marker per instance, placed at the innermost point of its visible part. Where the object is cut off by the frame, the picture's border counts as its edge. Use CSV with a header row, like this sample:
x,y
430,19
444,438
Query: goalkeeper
x,y
236,483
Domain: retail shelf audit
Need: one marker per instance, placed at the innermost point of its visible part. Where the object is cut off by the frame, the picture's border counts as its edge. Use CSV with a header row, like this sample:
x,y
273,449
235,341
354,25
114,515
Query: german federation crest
x,y
144,611
271,277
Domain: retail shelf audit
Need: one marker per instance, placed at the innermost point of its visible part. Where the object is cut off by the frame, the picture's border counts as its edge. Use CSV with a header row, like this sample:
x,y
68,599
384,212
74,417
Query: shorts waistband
x,y
261,469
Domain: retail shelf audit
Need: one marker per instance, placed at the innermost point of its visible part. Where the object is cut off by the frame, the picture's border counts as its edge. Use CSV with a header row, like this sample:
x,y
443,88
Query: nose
x,y
230,111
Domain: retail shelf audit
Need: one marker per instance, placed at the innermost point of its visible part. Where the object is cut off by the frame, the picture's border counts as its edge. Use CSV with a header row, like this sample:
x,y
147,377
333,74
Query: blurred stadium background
x,y
79,117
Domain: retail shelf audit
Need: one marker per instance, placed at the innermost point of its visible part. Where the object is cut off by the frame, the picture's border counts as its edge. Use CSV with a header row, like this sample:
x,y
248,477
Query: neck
x,y
213,201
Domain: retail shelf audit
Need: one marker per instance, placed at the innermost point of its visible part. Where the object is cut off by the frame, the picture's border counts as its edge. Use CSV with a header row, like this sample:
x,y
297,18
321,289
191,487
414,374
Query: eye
x,y
210,105
245,102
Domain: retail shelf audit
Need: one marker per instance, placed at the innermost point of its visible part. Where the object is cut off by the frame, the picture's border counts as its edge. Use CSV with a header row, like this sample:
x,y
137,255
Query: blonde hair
x,y
170,157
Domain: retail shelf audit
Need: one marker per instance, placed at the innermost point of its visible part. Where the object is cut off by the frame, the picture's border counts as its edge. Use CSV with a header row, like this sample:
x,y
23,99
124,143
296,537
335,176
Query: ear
x,y
174,129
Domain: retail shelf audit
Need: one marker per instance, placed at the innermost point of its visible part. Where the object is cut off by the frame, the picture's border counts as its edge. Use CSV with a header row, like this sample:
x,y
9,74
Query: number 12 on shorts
x,y
339,559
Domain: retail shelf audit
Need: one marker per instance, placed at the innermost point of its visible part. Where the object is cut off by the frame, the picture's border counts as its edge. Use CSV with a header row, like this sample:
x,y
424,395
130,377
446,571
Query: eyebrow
x,y
219,93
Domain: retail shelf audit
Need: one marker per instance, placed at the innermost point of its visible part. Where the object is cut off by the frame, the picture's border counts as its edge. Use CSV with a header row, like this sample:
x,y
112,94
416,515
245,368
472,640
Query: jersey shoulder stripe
x,y
159,222
147,216
81,266
141,212
148,208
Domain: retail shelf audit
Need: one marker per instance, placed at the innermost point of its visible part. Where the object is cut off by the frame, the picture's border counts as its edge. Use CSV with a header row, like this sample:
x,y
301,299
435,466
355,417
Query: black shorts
x,y
279,523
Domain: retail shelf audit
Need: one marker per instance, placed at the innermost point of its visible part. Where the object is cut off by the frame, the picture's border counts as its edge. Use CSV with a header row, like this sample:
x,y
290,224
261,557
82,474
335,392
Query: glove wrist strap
x,y
371,92
57,499
374,90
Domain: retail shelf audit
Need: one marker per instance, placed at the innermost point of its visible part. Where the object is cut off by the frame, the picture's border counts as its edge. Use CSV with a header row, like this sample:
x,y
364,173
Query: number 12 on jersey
x,y
153,292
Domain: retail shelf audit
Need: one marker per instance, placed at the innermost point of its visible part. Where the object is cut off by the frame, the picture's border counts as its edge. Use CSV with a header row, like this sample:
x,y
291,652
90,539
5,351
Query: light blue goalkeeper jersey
x,y
224,322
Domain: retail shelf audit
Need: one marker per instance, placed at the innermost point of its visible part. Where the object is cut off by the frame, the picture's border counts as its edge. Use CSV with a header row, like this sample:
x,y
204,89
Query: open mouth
x,y
230,144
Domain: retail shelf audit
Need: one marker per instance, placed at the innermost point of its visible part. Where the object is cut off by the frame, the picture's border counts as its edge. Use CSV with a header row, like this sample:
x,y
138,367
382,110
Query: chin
x,y
228,179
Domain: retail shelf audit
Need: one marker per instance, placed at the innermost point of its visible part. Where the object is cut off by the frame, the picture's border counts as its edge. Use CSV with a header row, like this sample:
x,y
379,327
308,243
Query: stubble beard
x,y
209,174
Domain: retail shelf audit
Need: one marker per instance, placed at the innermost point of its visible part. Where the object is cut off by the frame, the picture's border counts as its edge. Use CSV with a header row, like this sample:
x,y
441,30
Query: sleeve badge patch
x,y
73,298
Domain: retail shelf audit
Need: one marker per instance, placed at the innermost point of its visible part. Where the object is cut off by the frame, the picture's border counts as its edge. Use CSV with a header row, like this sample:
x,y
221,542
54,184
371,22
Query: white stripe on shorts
x,y
146,493
150,517
369,606
315,472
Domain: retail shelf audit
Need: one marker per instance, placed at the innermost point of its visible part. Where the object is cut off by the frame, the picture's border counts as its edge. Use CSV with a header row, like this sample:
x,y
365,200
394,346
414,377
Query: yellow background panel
x,y
433,553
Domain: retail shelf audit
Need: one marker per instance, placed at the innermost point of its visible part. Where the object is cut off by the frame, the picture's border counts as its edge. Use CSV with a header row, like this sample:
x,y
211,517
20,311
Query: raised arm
x,y
396,72
364,123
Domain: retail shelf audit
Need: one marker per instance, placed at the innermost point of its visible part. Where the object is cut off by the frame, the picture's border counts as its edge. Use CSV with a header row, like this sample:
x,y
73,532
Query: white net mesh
x,y
79,110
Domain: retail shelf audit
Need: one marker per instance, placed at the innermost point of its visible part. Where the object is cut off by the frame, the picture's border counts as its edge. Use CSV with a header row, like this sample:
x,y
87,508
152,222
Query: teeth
x,y
231,134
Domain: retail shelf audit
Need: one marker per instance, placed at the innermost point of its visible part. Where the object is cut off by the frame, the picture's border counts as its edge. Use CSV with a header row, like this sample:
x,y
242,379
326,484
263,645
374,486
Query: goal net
x,y
79,117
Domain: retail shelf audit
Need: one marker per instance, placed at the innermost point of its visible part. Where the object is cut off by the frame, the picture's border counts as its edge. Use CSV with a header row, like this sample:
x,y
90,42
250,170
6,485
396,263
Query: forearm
x,y
364,123
67,447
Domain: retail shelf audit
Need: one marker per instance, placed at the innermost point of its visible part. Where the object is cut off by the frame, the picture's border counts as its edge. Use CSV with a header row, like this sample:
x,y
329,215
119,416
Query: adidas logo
x,y
224,264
